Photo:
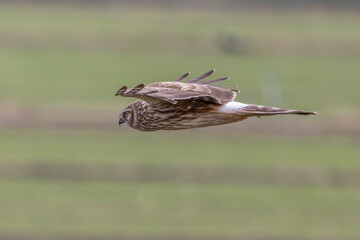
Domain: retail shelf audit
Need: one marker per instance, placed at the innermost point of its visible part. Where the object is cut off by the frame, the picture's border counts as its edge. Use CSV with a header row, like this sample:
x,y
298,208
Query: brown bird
x,y
192,104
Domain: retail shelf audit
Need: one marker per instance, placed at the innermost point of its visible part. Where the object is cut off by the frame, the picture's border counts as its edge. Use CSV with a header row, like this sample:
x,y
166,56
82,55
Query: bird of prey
x,y
191,104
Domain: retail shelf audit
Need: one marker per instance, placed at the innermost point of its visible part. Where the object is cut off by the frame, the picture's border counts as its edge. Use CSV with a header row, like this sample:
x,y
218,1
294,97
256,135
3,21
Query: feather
x,y
205,75
121,90
215,80
182,77
260,110
136,89
173,92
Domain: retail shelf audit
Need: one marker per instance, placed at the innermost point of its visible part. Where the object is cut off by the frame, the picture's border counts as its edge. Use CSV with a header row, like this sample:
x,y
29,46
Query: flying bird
x,y
191,104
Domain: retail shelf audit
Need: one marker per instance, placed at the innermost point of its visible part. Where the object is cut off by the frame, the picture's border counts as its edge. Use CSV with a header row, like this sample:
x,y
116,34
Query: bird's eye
x,y
126,114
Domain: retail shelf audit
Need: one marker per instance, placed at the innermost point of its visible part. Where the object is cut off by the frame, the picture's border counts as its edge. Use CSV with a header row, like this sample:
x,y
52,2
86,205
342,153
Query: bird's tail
x,y
260,110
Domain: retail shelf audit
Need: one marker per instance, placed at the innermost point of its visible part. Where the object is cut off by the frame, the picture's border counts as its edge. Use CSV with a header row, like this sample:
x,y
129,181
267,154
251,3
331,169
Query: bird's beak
x,y
121,121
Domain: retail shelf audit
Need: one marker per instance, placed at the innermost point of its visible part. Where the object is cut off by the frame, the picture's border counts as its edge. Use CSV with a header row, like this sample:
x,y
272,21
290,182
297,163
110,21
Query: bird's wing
x,y
173,92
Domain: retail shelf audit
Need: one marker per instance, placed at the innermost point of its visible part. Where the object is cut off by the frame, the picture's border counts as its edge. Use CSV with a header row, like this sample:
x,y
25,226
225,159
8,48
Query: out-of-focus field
x,y
83,55
112,184
67,176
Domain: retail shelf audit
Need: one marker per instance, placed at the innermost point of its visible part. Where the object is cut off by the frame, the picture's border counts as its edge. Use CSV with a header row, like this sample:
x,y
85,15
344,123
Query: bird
x,y
195,103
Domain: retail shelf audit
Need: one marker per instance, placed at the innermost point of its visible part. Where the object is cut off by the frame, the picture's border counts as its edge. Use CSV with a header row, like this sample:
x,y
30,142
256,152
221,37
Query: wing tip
x,y
214,80
137,88
205,75
121,90
301,112
308,113
182,77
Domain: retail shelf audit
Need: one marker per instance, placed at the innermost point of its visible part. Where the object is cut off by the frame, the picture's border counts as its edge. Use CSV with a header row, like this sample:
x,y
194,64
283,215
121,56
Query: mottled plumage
x,y
192,104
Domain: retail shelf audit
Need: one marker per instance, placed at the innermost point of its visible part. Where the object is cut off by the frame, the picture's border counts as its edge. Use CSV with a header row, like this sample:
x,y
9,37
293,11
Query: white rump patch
x,y
232,107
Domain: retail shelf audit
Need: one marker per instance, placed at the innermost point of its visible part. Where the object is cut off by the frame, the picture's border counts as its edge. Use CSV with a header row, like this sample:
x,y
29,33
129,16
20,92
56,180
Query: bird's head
x,y
125,116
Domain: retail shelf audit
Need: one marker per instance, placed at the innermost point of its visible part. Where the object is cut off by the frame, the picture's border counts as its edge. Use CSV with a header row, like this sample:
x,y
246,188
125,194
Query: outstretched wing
x,y
173,92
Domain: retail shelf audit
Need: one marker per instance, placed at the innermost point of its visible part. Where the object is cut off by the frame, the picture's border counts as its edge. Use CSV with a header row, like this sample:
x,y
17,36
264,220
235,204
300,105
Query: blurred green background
x,y
67,171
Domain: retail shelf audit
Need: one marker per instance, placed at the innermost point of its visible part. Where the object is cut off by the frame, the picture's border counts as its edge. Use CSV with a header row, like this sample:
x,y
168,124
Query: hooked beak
x,y
121,121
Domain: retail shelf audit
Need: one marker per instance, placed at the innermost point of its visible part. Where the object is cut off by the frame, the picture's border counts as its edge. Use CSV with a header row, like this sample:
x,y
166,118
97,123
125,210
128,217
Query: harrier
x,y
192,104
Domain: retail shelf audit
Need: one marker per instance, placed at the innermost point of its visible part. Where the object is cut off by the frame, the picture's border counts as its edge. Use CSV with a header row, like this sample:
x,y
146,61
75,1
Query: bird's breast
x,y
172,117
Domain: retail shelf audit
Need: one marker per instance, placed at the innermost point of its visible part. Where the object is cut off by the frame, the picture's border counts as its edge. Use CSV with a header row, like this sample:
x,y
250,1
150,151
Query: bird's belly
x,y
191,120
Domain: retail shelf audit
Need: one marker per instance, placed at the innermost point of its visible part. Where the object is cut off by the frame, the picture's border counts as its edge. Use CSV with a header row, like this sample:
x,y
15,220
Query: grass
x,y
263,205
179,22
90,77
113,182
150,207
85,55
160,209
123,147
